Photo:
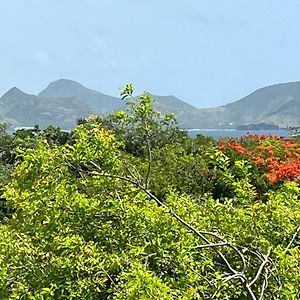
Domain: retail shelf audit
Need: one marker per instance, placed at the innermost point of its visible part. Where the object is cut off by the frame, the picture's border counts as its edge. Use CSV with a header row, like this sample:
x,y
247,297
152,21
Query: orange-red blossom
x,y
279,158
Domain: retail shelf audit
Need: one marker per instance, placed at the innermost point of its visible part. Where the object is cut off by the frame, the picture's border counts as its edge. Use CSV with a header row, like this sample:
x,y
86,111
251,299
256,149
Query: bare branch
x,y
235,274
211,245
147,180
261,268
292,240
237,251
159,202
264,285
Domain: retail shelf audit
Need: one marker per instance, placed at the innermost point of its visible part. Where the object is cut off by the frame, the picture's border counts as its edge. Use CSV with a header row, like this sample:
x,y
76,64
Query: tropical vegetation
x,y
130,207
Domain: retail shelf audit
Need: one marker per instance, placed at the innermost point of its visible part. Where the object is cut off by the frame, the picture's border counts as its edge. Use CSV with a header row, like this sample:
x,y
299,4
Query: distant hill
x,y
104,104
21,109
64,101
287,115
263,105
95,100
186,114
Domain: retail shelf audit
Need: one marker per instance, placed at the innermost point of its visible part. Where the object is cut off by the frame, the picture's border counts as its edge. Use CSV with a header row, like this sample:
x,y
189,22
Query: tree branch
x,y
292,240
149,164
202,234
261,268
211,245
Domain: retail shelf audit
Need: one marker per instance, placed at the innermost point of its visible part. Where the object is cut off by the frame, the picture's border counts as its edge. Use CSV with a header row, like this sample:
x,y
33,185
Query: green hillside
x,y
64,101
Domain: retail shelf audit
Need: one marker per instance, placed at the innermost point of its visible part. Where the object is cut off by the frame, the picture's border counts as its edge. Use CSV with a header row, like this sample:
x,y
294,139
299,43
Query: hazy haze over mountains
x,y
63,101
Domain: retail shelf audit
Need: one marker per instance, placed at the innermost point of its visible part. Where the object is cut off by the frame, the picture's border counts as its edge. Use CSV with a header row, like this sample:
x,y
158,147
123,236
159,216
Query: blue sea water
x,y
218,133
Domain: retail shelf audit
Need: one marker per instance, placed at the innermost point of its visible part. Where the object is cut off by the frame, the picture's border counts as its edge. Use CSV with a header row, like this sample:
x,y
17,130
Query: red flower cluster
x,y
236,147
279,159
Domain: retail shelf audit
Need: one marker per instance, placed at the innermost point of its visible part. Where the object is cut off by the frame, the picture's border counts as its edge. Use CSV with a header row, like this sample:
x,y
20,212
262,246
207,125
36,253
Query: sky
x,y
205,52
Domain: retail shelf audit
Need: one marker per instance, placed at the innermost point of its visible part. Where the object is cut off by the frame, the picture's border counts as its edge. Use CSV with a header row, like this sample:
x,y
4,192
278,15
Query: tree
x,y
85,225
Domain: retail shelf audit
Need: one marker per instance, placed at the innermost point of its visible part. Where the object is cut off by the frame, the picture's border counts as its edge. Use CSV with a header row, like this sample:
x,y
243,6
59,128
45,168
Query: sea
x,y
219,133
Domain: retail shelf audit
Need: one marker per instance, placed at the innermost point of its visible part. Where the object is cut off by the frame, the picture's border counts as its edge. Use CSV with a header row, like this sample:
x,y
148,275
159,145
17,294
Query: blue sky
x,y
207,53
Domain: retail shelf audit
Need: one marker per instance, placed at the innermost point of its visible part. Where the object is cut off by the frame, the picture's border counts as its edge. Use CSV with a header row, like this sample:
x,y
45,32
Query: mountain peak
x,y
14,92
65,83
64,88
69,88
14,89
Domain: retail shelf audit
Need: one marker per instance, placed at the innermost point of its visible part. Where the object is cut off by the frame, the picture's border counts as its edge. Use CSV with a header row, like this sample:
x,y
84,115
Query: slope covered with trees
x,y
129,207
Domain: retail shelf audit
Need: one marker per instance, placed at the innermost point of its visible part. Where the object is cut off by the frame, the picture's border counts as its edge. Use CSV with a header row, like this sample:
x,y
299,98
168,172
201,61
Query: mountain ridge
x,y
63,101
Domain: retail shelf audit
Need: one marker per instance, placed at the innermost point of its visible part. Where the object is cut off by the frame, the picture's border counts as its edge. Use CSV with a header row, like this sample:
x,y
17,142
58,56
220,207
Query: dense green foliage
x,y
129,207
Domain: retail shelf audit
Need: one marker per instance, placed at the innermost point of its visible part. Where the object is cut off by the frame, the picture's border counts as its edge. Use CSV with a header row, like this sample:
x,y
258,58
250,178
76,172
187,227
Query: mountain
x,y
97,101
287,115
166,104
104,104
21,109
263,105
186,114
64,101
